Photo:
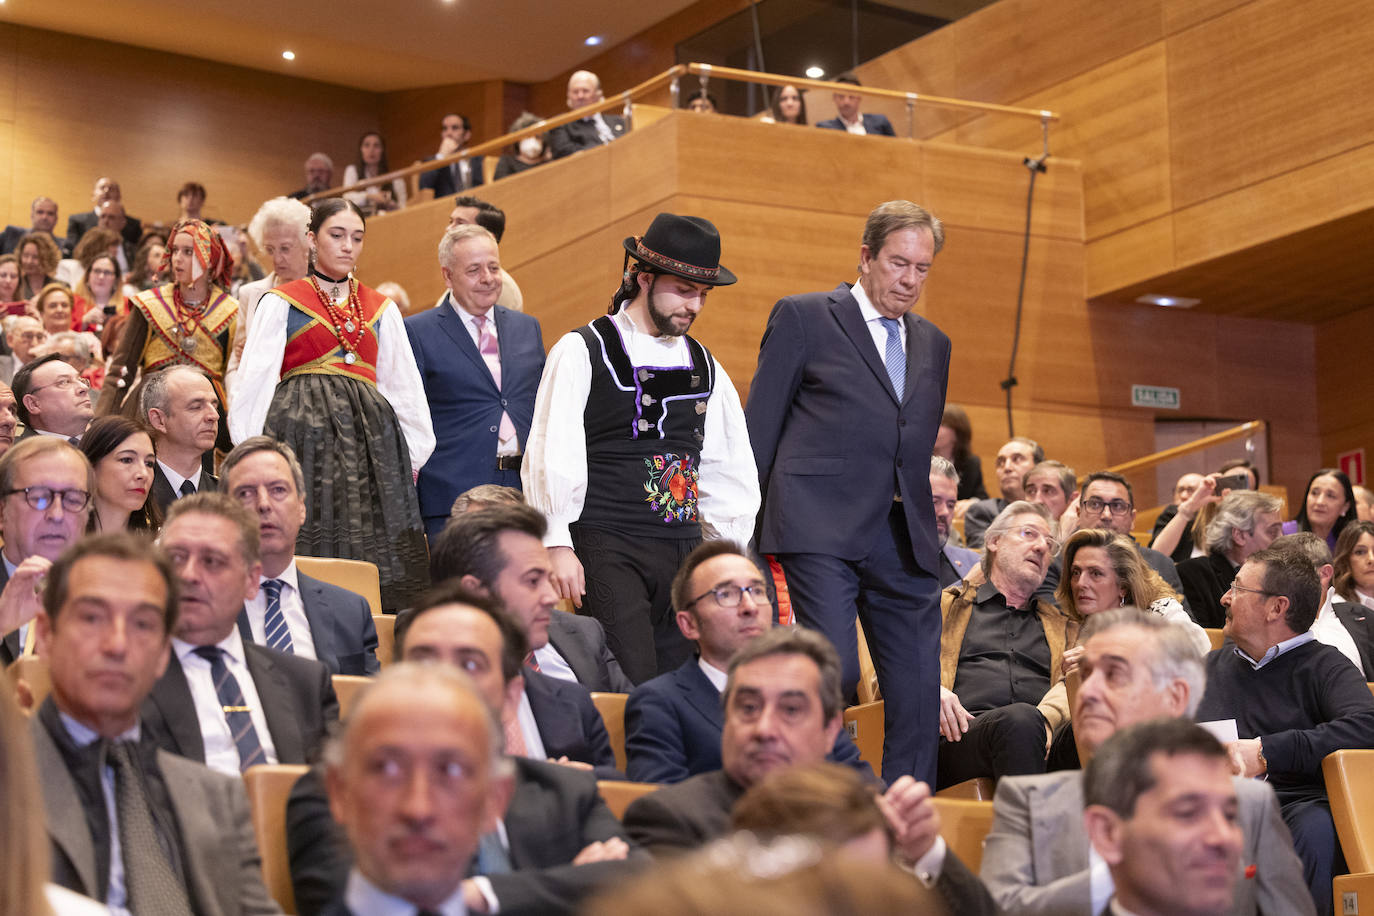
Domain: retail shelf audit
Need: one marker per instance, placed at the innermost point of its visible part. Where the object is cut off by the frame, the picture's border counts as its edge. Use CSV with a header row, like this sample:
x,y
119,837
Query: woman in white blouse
x,y
377,198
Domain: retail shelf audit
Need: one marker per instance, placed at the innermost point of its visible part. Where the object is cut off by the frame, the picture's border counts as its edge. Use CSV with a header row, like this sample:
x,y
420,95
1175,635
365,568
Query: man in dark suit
x,y
494,544
291,611
52,399
480,364
182,833
43,216
842,413
673,722
847,104
955,562
39,471
182,409
1246,521
584,88
1014,459
221,701
559,839
78,224
455,131
1339,623
319,175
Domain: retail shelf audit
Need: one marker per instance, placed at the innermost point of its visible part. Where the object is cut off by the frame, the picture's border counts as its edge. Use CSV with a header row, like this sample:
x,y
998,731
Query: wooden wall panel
x,y
154,120
1347,412
1184,14
410,119
988,188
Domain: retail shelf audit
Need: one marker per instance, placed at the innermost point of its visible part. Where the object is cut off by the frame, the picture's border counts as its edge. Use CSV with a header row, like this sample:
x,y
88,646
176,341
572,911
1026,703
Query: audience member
x,y
319,176
191,200
110,216
121,452
45,495
616,451
1037,859
496,547
455,130
553,844
9,417
1181,528
1364,503
955,562
78,224
363,421
54,306
38,258
1335,626
96,242
180,407
25,335
377,198
1014,461
469,210
1106,501
292,612
952,442
673,722
279,232
98,296
1161,811
847,105
1053,485
140,829
225,702
81,351
189,321
703,102
9,281
584,88
52,399
1245,521
1000,652
147,269
1354,564
1293,699
480,365
832,401
788,106
42,218
526,154
1328,507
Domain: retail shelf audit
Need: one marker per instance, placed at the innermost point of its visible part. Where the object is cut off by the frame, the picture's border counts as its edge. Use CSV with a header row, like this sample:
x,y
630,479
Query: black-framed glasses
x,y
1237,587
1095,506
732,595
41,498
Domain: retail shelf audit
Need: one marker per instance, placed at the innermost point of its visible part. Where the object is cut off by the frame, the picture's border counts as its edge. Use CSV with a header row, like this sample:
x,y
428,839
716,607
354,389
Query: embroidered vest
x,y
207,344
644,428
312,347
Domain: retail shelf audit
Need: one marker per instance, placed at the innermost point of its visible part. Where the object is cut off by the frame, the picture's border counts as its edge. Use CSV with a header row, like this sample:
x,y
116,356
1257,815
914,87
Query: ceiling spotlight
x,y
288,55
815,73
1173,302
592,41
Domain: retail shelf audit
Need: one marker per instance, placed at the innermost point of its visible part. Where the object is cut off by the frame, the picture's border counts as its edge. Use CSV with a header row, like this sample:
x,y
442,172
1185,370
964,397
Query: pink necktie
x,y
491,354
515,738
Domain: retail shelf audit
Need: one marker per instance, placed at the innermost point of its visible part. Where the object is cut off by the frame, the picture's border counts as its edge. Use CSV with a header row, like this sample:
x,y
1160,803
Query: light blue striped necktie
x,y
274,626
895,357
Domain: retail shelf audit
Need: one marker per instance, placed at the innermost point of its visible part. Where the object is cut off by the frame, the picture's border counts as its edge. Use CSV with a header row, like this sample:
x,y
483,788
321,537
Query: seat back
x,y
386,638
612,709
965,824
867,688
268,787
617,794
866,726
1350,788
347,687
358,576
1215,635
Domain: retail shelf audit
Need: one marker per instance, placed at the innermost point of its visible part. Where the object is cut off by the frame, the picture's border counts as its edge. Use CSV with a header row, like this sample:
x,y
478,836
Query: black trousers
x,y
628,583
1007,741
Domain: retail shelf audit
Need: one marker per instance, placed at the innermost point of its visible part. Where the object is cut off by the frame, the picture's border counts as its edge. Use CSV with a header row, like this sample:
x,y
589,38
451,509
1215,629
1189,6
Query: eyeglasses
x,y
41,498
1095,506
732,595
101,272
61,384
1031,534
1237,587
33,335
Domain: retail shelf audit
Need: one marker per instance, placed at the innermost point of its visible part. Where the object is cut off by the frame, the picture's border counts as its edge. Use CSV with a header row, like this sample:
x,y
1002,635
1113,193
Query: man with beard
x,y
638,446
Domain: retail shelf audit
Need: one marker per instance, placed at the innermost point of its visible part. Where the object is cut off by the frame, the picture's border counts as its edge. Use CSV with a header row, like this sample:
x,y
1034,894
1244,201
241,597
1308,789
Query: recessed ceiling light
x,y
815,73
288,55
1173,302
592,41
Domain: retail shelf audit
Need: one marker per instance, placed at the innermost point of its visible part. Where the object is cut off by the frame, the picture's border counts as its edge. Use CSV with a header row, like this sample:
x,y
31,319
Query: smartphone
x,y
1233,482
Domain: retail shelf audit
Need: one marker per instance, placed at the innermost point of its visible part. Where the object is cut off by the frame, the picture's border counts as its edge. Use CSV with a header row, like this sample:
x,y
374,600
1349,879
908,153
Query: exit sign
x,y
1154,396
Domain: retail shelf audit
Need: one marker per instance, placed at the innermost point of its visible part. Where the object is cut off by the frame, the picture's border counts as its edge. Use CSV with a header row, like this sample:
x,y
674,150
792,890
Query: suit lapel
x,y
275,694
245,628
175,711
199,832
66,820
457,331
917,338
562,638
846,311
700,693
1059,840
312,600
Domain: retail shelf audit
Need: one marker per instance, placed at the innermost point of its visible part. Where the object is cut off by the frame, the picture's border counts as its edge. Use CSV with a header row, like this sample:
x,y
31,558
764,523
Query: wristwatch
x,y
1259,752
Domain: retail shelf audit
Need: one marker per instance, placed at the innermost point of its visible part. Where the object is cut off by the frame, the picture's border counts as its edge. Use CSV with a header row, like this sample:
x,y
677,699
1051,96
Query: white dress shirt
x,y
292,608
176,480
529,729
554,473
553,664
398,379
1366,600
873,320
1329,629
364,898
854,127
510,446
221,753
9,574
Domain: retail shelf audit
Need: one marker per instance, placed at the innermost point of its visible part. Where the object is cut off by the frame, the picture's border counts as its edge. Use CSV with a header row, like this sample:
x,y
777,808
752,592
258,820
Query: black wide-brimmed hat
x,y
686,246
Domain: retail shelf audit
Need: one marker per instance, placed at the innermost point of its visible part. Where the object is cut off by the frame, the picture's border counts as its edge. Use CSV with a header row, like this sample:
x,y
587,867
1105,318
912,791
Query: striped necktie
x,y
236,711
895,357
274,626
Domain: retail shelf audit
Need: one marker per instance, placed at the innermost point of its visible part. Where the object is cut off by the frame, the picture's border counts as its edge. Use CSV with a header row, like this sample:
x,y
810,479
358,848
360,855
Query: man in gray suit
x,y
1135,666
291,611
136,827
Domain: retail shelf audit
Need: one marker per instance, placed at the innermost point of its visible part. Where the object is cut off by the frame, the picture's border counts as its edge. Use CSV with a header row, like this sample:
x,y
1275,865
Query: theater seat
x,y
357,576
347,687
866,727
617,794
965,824
386,638
1349,779
612,709
268,787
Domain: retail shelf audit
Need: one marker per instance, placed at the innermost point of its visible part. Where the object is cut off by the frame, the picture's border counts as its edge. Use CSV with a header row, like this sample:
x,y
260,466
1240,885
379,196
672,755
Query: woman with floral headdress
x,y
188,322
328,370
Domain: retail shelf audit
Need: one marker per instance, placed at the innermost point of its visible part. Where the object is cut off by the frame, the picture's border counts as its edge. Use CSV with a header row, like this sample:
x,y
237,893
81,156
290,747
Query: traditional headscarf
x,y
211,254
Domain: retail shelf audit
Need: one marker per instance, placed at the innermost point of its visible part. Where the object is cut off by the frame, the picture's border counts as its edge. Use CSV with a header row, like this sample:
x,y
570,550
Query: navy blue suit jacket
x,y
873,124
340,625
464,402
569,723
673,725
832,441
441,179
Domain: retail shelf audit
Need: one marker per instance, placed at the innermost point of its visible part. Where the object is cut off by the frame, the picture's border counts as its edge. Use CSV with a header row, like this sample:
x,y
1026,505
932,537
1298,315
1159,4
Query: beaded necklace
x,y
347,323
187,319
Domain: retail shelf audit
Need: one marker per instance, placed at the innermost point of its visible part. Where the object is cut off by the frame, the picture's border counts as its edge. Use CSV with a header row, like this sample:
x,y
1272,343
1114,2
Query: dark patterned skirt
x,y
360,496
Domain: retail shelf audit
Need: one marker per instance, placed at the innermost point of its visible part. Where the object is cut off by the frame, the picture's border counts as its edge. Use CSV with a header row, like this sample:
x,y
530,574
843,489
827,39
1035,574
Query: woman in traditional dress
x,y
188,322
328,370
